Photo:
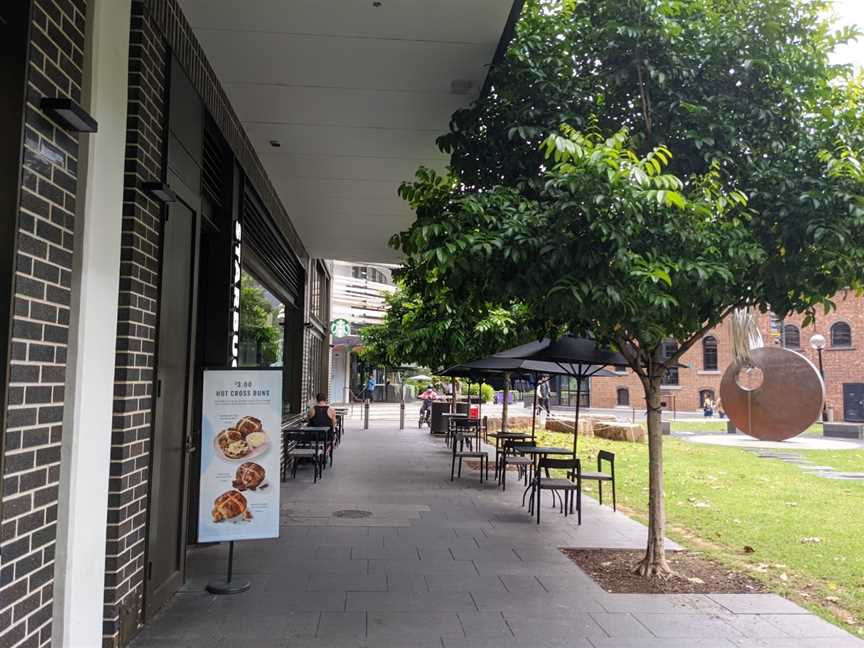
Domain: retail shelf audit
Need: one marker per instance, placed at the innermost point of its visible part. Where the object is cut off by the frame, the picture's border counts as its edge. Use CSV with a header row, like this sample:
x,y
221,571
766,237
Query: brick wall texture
x,y
42,282
158,27
842,364
136,328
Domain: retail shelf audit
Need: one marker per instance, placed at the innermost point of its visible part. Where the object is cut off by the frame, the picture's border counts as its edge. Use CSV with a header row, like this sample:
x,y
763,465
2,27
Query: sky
x,y
851,12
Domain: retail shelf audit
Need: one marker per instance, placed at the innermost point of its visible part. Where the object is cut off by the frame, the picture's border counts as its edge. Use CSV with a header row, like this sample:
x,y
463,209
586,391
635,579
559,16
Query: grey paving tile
x,y
347,583
537,605
334,626
332,552
660,603
804,626
396,628
755,626
420,566
624,642
485,625
822,642
574,625
686,626
410,601
463,582
246,626
757,604
572,642
620,625
500,567
523,584
284,602
406,582
381,552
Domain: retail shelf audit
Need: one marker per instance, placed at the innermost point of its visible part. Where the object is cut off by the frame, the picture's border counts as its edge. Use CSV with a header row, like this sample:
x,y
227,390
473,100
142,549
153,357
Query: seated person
x,y
321,414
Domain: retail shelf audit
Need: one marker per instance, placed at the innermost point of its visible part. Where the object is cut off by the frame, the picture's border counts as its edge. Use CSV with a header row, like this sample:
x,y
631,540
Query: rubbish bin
x,y
474,412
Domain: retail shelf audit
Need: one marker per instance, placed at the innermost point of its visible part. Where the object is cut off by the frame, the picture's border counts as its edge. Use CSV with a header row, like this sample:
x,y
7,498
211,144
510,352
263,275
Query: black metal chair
x,y
510,457
462,437
570,485
311,445
600,476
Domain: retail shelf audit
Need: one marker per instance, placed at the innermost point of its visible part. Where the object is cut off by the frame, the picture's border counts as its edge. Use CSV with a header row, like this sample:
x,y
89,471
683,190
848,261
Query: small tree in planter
x,y
602,236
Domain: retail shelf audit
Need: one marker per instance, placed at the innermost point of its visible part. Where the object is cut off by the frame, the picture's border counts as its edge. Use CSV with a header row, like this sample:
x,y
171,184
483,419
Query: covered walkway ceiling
x,y
354,92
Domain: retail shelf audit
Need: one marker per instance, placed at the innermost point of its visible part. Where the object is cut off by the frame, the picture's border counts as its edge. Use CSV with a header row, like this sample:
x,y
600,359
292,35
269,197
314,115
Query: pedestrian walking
x,y
370,389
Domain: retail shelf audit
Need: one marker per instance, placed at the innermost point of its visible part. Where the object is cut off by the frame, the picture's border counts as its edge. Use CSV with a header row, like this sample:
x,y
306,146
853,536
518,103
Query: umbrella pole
x,y
576,423
452,394
506,401
534,410
480,405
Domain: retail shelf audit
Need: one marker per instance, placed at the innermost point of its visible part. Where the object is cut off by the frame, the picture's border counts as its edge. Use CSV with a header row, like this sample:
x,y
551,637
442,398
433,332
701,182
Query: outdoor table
x,y
536,452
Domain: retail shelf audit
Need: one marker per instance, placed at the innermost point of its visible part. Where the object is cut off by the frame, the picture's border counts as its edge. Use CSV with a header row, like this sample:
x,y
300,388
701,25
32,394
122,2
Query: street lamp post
x,y
817,341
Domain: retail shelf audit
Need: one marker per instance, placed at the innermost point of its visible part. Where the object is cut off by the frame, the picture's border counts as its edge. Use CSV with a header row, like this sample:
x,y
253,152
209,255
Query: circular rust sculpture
x,y
785,400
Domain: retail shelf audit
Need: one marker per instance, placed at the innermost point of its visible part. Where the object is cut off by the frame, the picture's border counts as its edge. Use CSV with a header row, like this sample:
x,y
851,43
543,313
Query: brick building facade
x,y
52,218
709,358
40,231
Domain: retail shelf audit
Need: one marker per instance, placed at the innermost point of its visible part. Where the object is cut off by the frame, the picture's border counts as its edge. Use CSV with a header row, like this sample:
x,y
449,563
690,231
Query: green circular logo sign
x,y
340,328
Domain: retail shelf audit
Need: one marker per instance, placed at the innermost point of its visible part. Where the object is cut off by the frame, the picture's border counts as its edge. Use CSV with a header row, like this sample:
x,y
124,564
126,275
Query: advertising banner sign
x,y
240,448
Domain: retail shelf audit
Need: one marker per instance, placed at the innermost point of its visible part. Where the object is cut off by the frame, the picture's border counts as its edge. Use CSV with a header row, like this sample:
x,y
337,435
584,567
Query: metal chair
x,y
311,446
509,457
460,438
600,476
571,484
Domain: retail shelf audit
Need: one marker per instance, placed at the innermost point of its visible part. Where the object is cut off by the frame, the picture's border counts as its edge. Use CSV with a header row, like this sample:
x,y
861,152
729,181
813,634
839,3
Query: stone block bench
x,y
843,430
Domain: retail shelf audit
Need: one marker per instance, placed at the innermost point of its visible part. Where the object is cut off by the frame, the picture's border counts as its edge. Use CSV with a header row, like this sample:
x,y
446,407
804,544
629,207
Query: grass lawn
x,y
802,535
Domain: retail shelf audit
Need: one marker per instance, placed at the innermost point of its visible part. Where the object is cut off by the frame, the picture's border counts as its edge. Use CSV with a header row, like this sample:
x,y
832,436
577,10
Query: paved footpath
x,y
446,565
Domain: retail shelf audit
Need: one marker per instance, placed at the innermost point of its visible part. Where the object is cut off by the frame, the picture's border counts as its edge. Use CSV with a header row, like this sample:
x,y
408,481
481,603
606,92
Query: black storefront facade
x,y
199,226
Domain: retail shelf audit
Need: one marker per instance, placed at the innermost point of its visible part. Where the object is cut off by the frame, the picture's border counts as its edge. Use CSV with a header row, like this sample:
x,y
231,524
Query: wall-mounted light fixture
x,y
68,114
159,191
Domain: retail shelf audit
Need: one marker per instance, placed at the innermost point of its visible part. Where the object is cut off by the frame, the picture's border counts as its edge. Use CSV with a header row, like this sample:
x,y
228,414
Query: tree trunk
x,y
654,563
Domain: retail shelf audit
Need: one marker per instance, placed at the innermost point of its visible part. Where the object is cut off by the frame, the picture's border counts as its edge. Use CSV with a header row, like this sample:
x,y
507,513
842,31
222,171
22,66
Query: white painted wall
x,y
80,561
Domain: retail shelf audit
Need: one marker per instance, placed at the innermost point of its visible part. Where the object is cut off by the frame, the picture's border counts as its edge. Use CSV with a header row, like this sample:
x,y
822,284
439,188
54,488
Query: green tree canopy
x,y
641,168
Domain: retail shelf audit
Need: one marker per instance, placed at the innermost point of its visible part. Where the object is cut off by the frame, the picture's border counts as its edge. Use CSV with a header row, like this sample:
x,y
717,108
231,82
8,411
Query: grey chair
x,y
600,476
570,485
461,439
509,457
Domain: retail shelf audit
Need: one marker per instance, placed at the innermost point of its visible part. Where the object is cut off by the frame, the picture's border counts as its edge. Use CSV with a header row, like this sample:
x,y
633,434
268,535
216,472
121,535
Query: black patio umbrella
x,y
496,364
578,357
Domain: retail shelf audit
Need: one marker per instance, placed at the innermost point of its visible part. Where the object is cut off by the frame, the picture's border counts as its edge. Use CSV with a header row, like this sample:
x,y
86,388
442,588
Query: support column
x,y
86,450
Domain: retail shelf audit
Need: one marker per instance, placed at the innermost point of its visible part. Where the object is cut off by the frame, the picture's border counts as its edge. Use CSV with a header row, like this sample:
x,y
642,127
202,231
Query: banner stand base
x,y
224,587
229,586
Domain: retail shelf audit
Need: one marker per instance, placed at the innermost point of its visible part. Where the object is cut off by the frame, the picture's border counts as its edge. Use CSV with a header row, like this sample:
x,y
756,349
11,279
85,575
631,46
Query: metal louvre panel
x,y
213,164
270,245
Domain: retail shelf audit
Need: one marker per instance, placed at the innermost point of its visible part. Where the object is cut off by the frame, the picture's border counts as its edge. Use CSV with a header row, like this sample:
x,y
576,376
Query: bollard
x,y
366,415
402,415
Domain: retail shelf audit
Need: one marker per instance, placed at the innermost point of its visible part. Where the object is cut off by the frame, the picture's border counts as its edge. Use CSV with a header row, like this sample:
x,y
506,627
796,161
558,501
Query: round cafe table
x,y
536,452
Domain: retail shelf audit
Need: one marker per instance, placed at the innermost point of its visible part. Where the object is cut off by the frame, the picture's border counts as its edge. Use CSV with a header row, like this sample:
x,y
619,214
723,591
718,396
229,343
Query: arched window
x,y
841,335
791,337
709,353
623,396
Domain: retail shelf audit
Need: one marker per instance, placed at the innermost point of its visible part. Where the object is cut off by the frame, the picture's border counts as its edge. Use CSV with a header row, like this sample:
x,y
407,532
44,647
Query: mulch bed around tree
x,y
612,570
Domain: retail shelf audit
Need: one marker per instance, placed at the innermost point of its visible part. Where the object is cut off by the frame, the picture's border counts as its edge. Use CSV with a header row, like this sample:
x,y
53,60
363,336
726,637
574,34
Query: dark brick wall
x,y
136,328
42,281
158,27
